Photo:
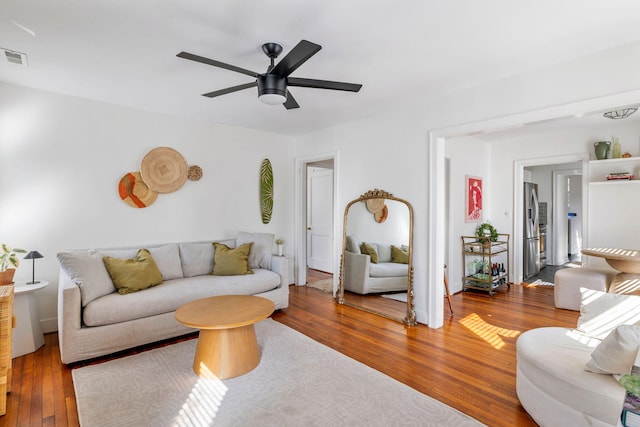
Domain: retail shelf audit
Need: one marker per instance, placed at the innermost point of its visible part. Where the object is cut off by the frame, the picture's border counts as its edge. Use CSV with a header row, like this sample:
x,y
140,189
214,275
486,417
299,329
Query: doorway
x,y
315,217
560,189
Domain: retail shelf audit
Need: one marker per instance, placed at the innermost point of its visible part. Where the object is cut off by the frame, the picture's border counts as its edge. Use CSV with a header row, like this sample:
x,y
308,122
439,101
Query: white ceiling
x,y
124,52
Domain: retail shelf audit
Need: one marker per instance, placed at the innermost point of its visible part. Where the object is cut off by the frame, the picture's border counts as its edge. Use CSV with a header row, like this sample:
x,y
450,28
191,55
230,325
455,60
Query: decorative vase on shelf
x,y
602,149
279,250
616,151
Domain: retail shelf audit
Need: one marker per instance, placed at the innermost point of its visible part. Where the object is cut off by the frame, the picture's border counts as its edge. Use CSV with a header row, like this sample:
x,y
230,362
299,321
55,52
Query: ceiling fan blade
x,y
323,84
290,103
230,90
295,58
203,60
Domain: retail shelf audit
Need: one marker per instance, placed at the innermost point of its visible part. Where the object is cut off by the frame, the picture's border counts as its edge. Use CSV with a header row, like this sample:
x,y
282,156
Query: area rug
x,y
325,285
299,382
402,297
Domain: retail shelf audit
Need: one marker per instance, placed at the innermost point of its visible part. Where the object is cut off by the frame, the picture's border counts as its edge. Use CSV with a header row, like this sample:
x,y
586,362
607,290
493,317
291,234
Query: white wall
x,y
61,159
468,156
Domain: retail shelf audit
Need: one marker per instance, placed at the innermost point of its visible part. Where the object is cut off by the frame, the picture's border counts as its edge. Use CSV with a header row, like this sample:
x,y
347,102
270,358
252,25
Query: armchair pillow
x,y
617,352
231,262
133,274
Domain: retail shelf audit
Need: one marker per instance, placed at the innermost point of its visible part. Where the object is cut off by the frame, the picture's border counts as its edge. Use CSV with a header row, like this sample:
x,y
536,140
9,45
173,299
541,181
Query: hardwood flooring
x,y
468,364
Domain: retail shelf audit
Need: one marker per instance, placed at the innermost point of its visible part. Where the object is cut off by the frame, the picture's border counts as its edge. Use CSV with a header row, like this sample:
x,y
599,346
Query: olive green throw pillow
x,y
134,274
231,262
399,256
371,250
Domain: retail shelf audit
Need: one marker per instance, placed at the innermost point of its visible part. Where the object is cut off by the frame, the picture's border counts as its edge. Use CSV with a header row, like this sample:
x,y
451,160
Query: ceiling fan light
x,y
272,98
272,89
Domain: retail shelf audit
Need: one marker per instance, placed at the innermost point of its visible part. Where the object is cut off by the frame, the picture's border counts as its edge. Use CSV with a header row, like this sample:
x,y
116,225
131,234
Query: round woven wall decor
x,y
195,173
134,192
164,170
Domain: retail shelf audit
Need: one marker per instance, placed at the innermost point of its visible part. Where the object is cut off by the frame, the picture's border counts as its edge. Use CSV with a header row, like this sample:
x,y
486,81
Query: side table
x,y
27,335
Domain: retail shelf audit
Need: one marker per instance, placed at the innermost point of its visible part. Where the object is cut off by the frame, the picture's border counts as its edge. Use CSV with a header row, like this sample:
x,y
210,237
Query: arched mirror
x,y
376,270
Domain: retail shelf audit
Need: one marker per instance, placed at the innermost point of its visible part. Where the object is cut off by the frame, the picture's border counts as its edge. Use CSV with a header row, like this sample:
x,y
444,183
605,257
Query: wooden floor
x,y
468,364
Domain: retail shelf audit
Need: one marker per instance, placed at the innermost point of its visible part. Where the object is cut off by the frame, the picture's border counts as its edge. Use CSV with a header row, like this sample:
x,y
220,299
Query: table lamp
x,y
33,255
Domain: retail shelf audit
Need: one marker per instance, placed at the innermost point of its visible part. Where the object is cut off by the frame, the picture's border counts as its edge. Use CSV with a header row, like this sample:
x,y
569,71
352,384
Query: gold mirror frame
x,y
410,317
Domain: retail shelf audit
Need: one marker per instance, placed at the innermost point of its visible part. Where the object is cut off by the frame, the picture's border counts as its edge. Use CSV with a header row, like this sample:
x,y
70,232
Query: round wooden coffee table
x,y
227,345
627,262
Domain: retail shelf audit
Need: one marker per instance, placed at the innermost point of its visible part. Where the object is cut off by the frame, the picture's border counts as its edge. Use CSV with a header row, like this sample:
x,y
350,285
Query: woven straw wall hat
x,y
164,170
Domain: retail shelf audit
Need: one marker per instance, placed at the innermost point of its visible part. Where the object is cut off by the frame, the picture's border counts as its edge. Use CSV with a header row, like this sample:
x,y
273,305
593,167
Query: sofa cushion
x,y
133,274
170,295
388,269
384,252
370,249
196,258
601,312
231,262
86,269
553,359
617,352
398,255
353,245
166,257
261,250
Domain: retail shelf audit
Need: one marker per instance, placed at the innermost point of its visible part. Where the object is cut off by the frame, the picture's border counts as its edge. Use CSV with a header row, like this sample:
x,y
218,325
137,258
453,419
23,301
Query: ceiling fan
x,y
272,85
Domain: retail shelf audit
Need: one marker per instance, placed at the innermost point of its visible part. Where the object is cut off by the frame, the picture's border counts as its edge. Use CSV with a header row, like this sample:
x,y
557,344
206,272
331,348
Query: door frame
x,y
300,270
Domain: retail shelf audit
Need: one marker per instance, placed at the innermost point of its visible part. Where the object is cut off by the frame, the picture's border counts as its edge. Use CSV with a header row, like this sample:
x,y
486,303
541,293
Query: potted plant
x,y
279,243
8,259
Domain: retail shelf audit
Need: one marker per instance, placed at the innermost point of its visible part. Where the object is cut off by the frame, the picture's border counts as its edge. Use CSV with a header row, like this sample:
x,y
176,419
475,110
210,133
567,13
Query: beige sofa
x,y
95,320
362,276
568,377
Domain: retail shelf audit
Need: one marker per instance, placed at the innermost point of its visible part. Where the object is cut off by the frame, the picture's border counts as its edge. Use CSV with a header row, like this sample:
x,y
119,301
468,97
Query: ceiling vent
x,y
15,57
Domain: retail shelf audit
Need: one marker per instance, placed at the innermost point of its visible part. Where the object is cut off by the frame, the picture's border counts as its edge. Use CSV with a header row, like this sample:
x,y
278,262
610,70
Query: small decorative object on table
x,y
279,243
8,259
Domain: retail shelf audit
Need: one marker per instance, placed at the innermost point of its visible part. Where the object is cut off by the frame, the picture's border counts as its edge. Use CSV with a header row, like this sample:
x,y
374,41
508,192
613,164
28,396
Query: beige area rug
x,y
325,285
402,296
299,382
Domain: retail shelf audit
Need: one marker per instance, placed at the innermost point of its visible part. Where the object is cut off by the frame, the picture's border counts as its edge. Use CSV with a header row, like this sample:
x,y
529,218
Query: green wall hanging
x,y
266,190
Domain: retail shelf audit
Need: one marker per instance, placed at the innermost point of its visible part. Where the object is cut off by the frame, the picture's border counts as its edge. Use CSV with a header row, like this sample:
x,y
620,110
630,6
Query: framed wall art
x,y
473,203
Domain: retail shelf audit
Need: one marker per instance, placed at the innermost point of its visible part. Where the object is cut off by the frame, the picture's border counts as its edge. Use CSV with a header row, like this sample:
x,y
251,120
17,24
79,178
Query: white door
x,y
319,218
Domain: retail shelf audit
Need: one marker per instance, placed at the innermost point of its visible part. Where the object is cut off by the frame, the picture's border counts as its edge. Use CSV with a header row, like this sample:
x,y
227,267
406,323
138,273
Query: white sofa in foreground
x,y
568,377
94,319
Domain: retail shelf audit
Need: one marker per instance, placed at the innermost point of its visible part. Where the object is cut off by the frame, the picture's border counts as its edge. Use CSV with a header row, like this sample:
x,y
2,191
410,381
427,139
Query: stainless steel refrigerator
x,y
531,230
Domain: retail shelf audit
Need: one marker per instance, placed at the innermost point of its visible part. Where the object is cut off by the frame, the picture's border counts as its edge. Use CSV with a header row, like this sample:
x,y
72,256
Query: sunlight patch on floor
x,y
203,402
488,332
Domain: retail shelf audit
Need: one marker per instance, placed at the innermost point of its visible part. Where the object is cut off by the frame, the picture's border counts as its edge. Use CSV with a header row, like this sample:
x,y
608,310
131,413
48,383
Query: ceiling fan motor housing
x,y
271,84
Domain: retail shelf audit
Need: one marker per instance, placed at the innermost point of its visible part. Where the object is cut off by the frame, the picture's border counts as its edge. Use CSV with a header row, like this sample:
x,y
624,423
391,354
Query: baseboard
x,y
49,325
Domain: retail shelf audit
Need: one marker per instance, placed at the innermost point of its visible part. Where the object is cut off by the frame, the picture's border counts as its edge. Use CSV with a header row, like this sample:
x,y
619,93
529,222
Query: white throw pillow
x,y
601,312
261,250
86,269
617,352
